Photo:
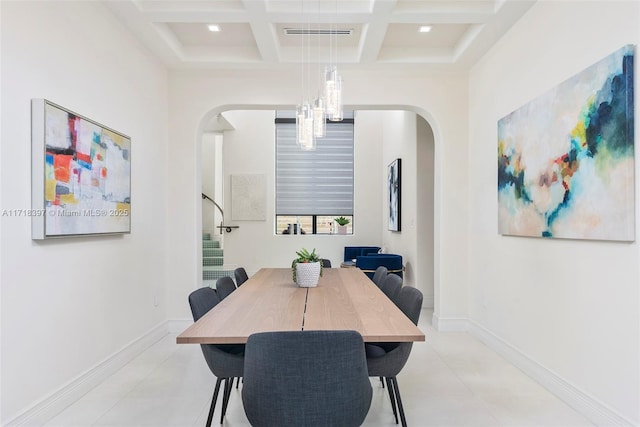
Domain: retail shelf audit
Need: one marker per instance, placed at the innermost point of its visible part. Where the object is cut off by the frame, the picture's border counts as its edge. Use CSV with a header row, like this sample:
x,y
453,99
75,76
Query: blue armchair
x,y
369,263
353,252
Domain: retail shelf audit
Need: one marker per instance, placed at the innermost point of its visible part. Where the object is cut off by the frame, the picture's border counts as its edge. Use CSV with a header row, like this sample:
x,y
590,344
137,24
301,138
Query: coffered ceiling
x,y
253,33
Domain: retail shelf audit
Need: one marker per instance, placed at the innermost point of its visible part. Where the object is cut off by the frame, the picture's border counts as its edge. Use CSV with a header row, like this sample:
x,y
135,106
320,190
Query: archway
x,y
425,262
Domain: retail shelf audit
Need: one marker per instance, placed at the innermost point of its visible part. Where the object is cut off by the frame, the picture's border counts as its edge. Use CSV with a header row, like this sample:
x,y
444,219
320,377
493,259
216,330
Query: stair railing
x,y
228,228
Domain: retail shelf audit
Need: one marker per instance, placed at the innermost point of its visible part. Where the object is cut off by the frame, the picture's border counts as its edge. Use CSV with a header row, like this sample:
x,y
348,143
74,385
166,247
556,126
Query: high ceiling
x,y
252,32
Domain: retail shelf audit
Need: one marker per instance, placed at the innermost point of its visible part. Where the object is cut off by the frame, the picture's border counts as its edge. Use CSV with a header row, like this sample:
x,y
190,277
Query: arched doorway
x,y
422,265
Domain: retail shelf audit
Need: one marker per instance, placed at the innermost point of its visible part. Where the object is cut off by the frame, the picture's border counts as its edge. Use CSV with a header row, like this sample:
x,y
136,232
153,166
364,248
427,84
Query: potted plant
x,y
307,268
342,224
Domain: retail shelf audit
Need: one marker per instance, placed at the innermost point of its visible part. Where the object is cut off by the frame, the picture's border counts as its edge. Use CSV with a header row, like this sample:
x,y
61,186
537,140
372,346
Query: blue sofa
x,y
353,252
369,263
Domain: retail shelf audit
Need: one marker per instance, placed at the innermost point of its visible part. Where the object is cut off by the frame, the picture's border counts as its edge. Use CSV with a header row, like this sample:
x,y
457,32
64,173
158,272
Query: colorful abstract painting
x,y
81,175
566,159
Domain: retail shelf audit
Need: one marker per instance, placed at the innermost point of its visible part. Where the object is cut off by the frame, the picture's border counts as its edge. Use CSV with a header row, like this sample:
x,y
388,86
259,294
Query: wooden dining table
x,y
345,299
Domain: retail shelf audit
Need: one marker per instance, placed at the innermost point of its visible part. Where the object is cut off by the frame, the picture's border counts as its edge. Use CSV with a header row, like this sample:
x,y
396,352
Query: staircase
x,y
212,261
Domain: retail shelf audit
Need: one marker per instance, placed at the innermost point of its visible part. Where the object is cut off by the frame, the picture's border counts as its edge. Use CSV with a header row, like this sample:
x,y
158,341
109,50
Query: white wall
x,y
441,98
408,136
568,307
400,137
207,163
250,149
424,210
218,195
68,304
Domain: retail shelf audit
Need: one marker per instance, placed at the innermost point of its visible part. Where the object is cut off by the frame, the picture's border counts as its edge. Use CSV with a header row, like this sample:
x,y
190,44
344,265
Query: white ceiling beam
x,y
416,56
448,6
129,14
195,16
440,18
479,39
466,40
263,30
373,34
313,18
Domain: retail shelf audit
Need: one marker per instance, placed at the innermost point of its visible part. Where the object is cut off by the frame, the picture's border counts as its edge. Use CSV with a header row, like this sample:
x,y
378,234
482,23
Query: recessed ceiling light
x,y
213,27
424,28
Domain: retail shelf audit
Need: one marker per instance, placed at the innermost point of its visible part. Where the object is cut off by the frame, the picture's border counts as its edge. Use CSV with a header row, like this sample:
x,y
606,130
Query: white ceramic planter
x,y
342,229
307,274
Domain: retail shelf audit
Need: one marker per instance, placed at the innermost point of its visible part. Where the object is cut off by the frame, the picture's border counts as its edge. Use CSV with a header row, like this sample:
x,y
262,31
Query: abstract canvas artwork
x,y
249,197
566,159
394,173
81,175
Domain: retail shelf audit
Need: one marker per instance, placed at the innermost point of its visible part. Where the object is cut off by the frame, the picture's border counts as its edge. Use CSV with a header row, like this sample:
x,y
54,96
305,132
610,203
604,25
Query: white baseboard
x,y
50,406
597,412
428,301
450,324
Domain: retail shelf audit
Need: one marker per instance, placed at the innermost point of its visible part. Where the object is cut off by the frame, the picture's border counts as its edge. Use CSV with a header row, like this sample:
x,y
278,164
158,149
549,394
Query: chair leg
x,y
382,381
399,401
392,398
237,382
229,392
228,385
213,402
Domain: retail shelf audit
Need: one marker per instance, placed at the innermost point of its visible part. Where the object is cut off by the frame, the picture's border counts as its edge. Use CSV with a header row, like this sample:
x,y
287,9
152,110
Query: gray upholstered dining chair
x,y
226,362
391,285
379,275
225,286
241,275
306,378
387,359
326,263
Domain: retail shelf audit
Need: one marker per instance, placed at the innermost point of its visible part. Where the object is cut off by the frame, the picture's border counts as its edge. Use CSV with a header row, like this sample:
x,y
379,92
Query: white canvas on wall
x,y
248,197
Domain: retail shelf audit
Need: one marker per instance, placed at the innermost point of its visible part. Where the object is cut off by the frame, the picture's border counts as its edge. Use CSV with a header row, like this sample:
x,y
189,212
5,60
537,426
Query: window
x,y
313,187
310,224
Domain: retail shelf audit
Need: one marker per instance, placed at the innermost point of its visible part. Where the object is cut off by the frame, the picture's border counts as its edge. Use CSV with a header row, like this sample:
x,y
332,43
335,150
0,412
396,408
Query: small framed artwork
x,y
81,175
394,183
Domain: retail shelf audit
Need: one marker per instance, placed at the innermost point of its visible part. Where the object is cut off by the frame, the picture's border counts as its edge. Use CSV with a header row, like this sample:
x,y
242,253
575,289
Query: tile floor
x,y
451,380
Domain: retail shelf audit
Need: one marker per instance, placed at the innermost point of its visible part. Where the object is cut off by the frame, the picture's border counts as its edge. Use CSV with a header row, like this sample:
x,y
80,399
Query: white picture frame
x,y
80,175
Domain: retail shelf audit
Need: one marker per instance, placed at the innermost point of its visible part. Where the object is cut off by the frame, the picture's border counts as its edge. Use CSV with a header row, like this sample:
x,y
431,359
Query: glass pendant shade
x,y
304,127
309,142
333,93
303,111
319,122
300,113
330,73
337,111
312,115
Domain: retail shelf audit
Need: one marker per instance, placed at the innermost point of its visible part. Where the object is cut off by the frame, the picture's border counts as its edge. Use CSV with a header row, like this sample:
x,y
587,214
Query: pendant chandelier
x,y
312,114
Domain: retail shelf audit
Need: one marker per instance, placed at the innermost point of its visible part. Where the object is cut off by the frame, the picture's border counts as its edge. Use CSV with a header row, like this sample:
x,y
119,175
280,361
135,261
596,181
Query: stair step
x,y
210,243
206,252
212,261
209,283
214,273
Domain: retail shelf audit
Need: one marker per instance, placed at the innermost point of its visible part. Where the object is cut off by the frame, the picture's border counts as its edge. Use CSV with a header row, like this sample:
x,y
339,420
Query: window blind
x,y
316,182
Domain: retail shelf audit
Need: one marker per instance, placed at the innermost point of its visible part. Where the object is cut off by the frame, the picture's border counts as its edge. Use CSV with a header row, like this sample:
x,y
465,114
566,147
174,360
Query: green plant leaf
x,y
342,220
305,256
